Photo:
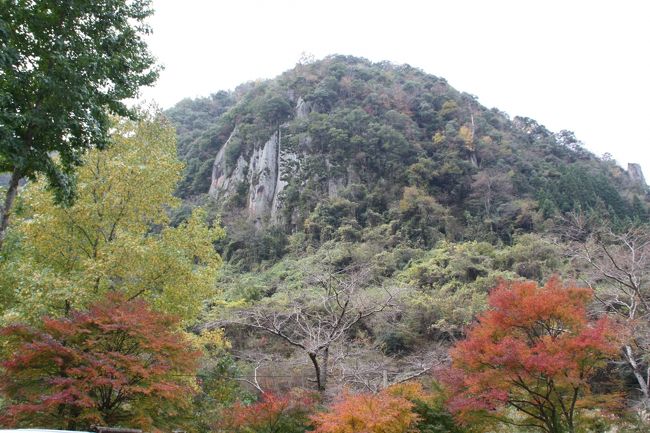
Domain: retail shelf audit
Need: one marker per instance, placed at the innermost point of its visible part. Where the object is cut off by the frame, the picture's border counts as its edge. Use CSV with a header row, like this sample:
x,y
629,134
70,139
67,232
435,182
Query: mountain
x,y
335,147
370,208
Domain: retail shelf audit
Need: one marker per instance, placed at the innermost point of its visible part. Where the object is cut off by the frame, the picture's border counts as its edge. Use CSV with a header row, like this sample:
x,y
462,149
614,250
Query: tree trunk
x,y
643,382
10,196
323,370
314,360
320,368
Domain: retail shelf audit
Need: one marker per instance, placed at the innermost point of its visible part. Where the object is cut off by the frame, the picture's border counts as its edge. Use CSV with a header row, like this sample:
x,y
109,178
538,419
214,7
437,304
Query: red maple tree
x,y
273,413
534,351
117,363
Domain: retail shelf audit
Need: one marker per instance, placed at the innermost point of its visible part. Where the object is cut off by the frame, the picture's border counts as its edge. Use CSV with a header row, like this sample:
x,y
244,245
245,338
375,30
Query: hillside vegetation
x,y
348,247
405,198
365,145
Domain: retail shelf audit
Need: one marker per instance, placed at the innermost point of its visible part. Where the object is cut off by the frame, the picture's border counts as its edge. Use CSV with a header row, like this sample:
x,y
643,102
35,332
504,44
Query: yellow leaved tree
x,y
116,236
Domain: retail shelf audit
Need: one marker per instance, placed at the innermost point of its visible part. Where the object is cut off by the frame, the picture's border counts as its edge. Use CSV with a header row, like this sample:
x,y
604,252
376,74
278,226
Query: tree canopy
x,y
65,66
116,236
117,362
534,351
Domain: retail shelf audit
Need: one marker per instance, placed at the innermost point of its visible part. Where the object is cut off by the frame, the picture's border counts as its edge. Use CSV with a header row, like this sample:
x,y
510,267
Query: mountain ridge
x,y
344,142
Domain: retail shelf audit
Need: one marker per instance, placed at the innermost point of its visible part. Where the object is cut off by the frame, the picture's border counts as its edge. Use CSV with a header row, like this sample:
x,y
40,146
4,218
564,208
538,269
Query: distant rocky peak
x,y
636,174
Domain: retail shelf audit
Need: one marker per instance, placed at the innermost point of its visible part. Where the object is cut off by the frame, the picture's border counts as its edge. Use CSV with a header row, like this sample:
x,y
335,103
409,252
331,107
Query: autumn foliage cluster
x,y
534,351
116,363
389,411
273,413
528,361
399,408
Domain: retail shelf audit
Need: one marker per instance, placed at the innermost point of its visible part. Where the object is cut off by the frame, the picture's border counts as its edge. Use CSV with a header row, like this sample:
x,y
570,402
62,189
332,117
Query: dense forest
x,y
348,247
370,209
362,145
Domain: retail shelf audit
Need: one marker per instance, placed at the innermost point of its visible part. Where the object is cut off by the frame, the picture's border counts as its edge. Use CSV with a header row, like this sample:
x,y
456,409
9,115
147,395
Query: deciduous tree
x,y
271,414
618,267
117,363
534,351
385,412
65,66
117,235
317,319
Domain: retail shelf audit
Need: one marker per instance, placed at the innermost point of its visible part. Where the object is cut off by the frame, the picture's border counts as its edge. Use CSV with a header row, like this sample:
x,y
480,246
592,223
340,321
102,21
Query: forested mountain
x,y
336,147
370,208
348,247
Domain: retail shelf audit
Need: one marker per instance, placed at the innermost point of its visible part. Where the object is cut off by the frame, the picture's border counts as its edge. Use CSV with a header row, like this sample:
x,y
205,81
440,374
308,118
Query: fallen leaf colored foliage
x,y
534,351
117,363
273,413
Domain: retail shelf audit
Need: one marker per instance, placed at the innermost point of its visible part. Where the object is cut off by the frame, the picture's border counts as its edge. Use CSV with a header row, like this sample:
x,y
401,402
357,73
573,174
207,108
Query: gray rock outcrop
x,y
636,174
265,171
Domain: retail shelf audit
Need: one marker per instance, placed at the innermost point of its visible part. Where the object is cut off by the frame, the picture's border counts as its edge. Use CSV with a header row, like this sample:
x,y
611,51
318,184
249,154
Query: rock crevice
x,y
265,170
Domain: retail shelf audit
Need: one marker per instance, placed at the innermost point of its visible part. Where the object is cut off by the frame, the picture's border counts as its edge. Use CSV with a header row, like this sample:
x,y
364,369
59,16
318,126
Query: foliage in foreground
x,y
116,236
400,408
273,413
534,351
65,66
117,363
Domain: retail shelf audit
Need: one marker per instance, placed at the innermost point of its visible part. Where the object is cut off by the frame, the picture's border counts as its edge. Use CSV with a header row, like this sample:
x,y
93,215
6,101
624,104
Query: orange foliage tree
x,y
389,411
534,351
271,414
117,363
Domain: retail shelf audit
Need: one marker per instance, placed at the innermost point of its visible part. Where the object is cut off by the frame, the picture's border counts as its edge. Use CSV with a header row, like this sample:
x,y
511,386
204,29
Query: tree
x,y
116,236
317,319
272,414
422,220
535,352
450,286
433,416
385,412
618,264
216,387
491,188
118,362
275,108
64,67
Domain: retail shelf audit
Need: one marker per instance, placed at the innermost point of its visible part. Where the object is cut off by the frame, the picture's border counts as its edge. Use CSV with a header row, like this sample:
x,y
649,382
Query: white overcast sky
x,y
570,64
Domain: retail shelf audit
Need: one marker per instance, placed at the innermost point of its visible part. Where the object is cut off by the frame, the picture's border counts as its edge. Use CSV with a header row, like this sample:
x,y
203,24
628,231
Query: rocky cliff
x,y
263,173
636,174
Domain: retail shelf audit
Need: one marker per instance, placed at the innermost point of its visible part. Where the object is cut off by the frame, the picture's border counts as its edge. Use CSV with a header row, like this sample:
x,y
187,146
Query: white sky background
x,y
577,65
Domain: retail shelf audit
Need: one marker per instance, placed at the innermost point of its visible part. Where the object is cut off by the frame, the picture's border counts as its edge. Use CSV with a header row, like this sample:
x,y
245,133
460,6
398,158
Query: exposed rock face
x,y
224,184
302,109
260,171
636,174
264,178
264,172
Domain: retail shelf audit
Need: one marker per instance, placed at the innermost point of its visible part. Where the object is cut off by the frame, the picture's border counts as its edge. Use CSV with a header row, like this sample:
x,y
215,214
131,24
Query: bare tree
x,y
319,317
253,378
619,268
491,188
371,371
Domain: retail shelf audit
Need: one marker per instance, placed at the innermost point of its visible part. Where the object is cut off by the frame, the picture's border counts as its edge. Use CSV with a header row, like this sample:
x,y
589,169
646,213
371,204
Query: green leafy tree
x,y
216,389
65,66
422,220
451,285
117,234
